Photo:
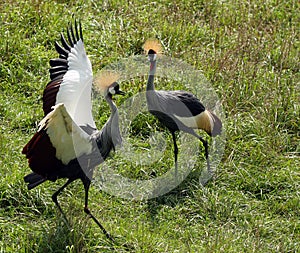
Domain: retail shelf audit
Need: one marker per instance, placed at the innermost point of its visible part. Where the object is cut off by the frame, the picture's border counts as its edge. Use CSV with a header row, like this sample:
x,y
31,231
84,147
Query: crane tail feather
x,y
216,126
209,122
33,180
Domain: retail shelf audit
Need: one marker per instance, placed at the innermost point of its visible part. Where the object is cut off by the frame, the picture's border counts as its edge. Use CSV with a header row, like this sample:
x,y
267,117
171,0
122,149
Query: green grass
x,y
248,50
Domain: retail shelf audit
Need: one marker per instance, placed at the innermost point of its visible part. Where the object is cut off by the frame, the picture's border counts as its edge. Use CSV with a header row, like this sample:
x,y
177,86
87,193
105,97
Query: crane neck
x,y
109,136
150,83
113,122
112,105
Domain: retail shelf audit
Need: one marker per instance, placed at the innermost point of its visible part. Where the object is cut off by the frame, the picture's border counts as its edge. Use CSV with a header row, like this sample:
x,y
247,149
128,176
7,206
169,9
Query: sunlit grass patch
x,y
248,51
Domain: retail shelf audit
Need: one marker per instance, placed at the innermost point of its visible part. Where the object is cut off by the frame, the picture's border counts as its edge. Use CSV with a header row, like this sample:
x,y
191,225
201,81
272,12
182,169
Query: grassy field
x,y
248,50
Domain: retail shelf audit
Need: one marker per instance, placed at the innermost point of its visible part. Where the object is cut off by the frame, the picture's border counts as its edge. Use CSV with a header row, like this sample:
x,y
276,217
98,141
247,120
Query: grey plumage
x,y
179,111
109,136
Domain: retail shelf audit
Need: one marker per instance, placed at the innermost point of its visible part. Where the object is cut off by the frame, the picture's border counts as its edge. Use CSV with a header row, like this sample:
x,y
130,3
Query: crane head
x,y
114,89
152,48
152,55
106,83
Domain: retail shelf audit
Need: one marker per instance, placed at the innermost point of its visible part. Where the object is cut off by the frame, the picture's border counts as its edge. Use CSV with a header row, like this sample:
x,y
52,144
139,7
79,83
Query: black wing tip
x,y
58,62
64,42
63,52
77,24
74,34
74,31
33,180
57,73
74,40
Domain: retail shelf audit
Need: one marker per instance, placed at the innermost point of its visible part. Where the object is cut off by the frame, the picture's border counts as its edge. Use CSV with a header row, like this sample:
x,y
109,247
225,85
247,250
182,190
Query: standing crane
x,y
178,110
67,143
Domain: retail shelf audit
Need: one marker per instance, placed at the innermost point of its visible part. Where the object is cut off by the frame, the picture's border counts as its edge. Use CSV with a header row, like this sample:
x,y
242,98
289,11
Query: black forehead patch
x,y
151,51
117,86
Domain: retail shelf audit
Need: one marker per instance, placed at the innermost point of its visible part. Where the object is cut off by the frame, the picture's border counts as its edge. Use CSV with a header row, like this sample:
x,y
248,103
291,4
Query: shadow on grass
x,y
176,196
63,237
78,235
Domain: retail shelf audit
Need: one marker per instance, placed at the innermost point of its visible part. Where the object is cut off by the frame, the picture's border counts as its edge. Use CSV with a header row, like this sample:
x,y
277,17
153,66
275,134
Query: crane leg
x,y
54,198
205,144
175,155
87,183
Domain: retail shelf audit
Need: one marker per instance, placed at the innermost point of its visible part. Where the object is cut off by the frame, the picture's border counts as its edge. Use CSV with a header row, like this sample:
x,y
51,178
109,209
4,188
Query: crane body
x,y
178,110
67,143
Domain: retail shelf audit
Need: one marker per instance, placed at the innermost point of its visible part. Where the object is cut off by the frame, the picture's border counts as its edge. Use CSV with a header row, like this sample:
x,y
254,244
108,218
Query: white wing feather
x,y
76,87
69,140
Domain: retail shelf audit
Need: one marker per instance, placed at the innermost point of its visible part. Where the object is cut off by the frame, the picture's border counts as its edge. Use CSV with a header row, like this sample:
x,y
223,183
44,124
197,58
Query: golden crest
x,y
105,79
153,44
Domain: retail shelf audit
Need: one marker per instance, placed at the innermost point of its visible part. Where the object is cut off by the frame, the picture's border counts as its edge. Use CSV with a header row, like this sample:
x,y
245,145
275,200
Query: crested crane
x,y
178,110
67,143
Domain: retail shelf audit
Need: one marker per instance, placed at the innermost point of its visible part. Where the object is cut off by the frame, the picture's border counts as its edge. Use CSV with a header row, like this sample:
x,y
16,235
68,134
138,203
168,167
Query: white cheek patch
x,y
112,90
152,57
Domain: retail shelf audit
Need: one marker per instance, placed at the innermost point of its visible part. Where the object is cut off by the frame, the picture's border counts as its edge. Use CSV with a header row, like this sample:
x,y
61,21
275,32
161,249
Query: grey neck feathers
x,y
113,123
150,83
109,136
112,105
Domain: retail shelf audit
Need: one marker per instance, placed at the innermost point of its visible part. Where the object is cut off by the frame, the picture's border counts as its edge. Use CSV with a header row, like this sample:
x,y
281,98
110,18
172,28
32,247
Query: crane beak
x,y
119,92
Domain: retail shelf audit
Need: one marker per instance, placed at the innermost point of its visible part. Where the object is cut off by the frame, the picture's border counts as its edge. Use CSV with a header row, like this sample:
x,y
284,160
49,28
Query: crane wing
x,y
71,79
179,103
68,139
